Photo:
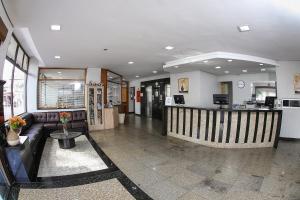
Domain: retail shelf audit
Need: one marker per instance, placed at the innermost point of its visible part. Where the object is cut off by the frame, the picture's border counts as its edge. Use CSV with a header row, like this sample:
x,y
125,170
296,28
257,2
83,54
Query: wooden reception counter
x,y
224,128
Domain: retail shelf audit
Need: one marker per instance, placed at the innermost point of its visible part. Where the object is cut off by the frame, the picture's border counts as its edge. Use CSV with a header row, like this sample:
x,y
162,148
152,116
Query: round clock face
x,y
241,84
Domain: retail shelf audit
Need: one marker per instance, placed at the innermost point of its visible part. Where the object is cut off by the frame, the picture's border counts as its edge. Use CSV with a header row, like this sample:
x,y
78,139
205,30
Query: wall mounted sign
x,y
183,85
297,83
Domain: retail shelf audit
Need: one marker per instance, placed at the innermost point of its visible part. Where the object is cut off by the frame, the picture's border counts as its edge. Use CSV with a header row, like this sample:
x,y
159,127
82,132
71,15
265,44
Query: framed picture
x,y
183,85
297,83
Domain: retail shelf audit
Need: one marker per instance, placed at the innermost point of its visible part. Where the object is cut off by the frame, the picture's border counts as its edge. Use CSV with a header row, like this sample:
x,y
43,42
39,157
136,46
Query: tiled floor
x,y
168,168
106,190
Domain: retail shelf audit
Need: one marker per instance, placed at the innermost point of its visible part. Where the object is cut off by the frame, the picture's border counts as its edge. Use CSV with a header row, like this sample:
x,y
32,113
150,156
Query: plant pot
x,y
121,118
13,137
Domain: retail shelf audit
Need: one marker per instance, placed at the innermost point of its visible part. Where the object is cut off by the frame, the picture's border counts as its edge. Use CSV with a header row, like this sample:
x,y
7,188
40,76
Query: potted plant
x,y
15,123
64,118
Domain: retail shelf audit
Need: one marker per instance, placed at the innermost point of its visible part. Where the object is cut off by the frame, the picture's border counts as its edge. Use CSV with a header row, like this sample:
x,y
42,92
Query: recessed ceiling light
x,y
226,72
244,70
205,61
261,64
55,27
154,72
57,57
218,67
110,77
137,76
169,47
243,28
176,66
59,72
229,60
263,69
130,62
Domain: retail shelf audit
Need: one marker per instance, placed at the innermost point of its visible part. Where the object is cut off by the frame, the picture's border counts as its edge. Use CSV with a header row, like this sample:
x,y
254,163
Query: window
x,y
61,88
7,90
15,74
19,89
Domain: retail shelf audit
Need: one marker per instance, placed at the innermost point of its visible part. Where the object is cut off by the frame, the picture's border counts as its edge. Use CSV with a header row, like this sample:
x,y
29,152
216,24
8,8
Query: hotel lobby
x,y
162,100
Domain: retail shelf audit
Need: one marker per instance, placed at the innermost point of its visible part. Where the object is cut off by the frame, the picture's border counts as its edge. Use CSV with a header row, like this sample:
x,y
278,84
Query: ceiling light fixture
x,y
55,27
205,61
130,62
263,69
169,47
243,28
226,72
244,70
229,60
218,67
176,66
137,76
59,72
57,57
154,72
261,64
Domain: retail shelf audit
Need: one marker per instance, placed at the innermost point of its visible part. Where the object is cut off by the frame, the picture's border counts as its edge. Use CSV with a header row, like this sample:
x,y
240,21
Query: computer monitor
x,y
221,99
179,99
270,101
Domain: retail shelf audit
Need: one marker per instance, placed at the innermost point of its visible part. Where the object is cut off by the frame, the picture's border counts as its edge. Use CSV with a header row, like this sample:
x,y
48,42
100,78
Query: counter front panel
x,y
224,128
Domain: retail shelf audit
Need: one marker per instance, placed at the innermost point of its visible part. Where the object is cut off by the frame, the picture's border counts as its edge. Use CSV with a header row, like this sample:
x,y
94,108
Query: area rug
x,y
106,190
60,162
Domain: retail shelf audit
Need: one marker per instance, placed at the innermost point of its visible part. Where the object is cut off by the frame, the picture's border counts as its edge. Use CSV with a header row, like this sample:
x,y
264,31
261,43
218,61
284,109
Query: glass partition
x,y
114,88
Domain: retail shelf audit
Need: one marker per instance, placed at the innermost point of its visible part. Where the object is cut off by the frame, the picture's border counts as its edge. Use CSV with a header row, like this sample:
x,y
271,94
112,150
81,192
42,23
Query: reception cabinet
x,y
95,106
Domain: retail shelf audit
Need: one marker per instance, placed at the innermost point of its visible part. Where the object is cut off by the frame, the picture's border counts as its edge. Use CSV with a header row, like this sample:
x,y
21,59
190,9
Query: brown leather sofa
x,y
38,127
41,124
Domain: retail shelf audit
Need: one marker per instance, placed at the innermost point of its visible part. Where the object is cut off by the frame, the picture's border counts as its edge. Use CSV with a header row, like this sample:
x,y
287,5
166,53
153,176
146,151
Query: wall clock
x,y
241,84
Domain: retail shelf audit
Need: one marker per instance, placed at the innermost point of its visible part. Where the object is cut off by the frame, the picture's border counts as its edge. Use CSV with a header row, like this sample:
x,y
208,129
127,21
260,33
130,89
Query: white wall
x,y
202,86
285,87
244,94
4,45
137,84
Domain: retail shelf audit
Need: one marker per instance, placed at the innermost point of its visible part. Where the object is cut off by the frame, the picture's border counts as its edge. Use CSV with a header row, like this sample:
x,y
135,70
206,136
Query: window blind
x,y
61,94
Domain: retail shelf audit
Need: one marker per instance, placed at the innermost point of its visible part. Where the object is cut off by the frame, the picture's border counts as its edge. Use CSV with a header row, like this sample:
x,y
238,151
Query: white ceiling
x,y
235,67
138,30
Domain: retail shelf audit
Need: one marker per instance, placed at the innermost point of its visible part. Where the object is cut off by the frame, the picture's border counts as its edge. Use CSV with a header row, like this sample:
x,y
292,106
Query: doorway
x,y
153,95
131,105
149,97
226,88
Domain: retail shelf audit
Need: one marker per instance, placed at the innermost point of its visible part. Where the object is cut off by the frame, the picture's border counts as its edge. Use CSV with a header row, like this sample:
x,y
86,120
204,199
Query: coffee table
x,y
65,141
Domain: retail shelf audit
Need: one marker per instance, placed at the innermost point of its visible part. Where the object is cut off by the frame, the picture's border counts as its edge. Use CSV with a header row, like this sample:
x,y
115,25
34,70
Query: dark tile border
x,y
84,178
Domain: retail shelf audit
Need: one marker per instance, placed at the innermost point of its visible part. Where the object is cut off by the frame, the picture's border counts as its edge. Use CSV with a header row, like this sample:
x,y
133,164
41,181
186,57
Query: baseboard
x,y
289,139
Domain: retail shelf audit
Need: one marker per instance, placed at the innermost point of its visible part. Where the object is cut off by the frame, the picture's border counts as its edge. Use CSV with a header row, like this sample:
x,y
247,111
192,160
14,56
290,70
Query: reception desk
x,y
224,128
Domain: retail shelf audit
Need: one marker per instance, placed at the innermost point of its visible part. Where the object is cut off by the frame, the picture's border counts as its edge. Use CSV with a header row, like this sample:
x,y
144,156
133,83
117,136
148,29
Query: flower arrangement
x,y
16,122
64,117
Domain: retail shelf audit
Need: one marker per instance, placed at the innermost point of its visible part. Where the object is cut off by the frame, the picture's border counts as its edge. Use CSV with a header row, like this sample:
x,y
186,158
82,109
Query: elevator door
x,y
149,101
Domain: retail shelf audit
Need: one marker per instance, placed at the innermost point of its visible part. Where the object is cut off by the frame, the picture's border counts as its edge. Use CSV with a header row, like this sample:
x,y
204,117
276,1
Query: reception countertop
x,y
224,128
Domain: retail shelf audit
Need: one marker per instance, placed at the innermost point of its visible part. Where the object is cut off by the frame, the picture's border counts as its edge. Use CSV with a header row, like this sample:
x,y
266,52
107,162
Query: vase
x,y
13,137
65,129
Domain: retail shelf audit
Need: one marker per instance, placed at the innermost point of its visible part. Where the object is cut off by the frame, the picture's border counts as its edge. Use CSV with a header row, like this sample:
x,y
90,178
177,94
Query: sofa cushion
x,y
52,117
33,131
34,134
28,117
50,126
60,126
79,115
40,117
78,124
